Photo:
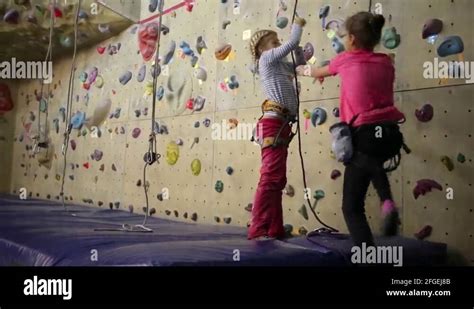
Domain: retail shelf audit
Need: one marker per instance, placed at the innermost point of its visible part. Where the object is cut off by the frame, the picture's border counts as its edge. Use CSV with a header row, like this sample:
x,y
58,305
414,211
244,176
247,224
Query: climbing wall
x,y
231,92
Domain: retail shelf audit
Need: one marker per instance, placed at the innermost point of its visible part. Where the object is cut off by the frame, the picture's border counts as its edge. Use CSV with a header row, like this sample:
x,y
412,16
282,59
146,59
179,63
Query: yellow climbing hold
x,y
196,167
172,153
99,82
149,89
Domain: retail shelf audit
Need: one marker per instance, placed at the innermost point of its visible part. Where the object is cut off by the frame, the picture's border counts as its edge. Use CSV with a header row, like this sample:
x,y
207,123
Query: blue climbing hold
x,y
77,120
186,49
337,45
125,78
318,117
160,93
450,46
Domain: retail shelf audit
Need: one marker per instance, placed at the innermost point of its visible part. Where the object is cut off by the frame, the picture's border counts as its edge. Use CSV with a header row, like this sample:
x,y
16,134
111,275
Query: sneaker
x,y
391,219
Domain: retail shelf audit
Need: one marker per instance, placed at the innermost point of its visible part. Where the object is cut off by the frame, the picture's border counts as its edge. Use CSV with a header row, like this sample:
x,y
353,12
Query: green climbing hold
x,y
219,186
447,162
302,211
461,158
43,105
172,153
390,38
302,231
196,167
318,194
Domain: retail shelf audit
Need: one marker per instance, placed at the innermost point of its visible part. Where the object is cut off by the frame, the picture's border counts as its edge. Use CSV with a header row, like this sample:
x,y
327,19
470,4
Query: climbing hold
x,y
172,153
165,30
159,196
227,220
139,183
288,229
424,186
308,51
138,113
152,211
83,77
232,123
318,194
302,231
71,177
197,124
103,28
86,165
141,74
167,212
62,112
248,207
169,54
200,45
198,104
282,22
290,191
155,70
194,61
196,167
461,158
97,155
56,125
65,41
217,219
100,49
335,112
77,120
223,51
324,12
136,132
229,170
206,122
58,177
93,75
424,232
225,24
337,45
12,16
299,56
153,6
450,46
194,217
303,212
447,162
390,38
43,105
432,27
318,117
186,48
201,74
147,38
335,174
219,186
425,114
125,78
233,83
99,82
73,144
160,93
114,168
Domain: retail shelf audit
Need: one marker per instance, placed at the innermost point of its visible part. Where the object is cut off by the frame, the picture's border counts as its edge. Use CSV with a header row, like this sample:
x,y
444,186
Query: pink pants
x,y
267,211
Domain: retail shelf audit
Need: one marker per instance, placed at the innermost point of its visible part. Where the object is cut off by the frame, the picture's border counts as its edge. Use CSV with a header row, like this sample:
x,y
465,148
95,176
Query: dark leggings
x,y
366,166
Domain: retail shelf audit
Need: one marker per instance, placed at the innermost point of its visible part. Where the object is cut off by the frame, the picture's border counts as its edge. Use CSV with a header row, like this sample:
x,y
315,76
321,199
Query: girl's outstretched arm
x,y
277,54
313,71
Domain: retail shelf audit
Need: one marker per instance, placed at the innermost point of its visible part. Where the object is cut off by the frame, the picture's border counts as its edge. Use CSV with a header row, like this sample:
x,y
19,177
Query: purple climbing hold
x,y
125,78
136,132
425,114
424,186
97,155
308,51
207,122
93,75
73,144
12,16
432,27
424,232
141,74
155,70
335,112
335,174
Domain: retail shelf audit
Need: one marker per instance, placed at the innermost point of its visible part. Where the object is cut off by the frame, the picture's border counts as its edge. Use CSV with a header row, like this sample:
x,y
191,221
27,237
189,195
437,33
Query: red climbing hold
x,y
6,103
86,165
147,38
424,186
101,49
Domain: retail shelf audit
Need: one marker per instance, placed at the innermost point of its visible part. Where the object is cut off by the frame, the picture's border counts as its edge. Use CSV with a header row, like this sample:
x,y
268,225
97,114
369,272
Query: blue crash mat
x,y
41,233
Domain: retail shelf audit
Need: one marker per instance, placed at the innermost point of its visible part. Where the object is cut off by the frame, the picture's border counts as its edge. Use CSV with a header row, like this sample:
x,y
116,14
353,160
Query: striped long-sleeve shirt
x,y
277,74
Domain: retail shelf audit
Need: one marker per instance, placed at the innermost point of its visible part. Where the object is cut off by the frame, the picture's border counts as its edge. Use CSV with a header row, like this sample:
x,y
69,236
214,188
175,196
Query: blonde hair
x,y
256,40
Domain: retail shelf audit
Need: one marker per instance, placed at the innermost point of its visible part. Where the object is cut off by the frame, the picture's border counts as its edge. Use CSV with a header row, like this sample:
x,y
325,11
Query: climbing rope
x,y
307,196
70,93
49,57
